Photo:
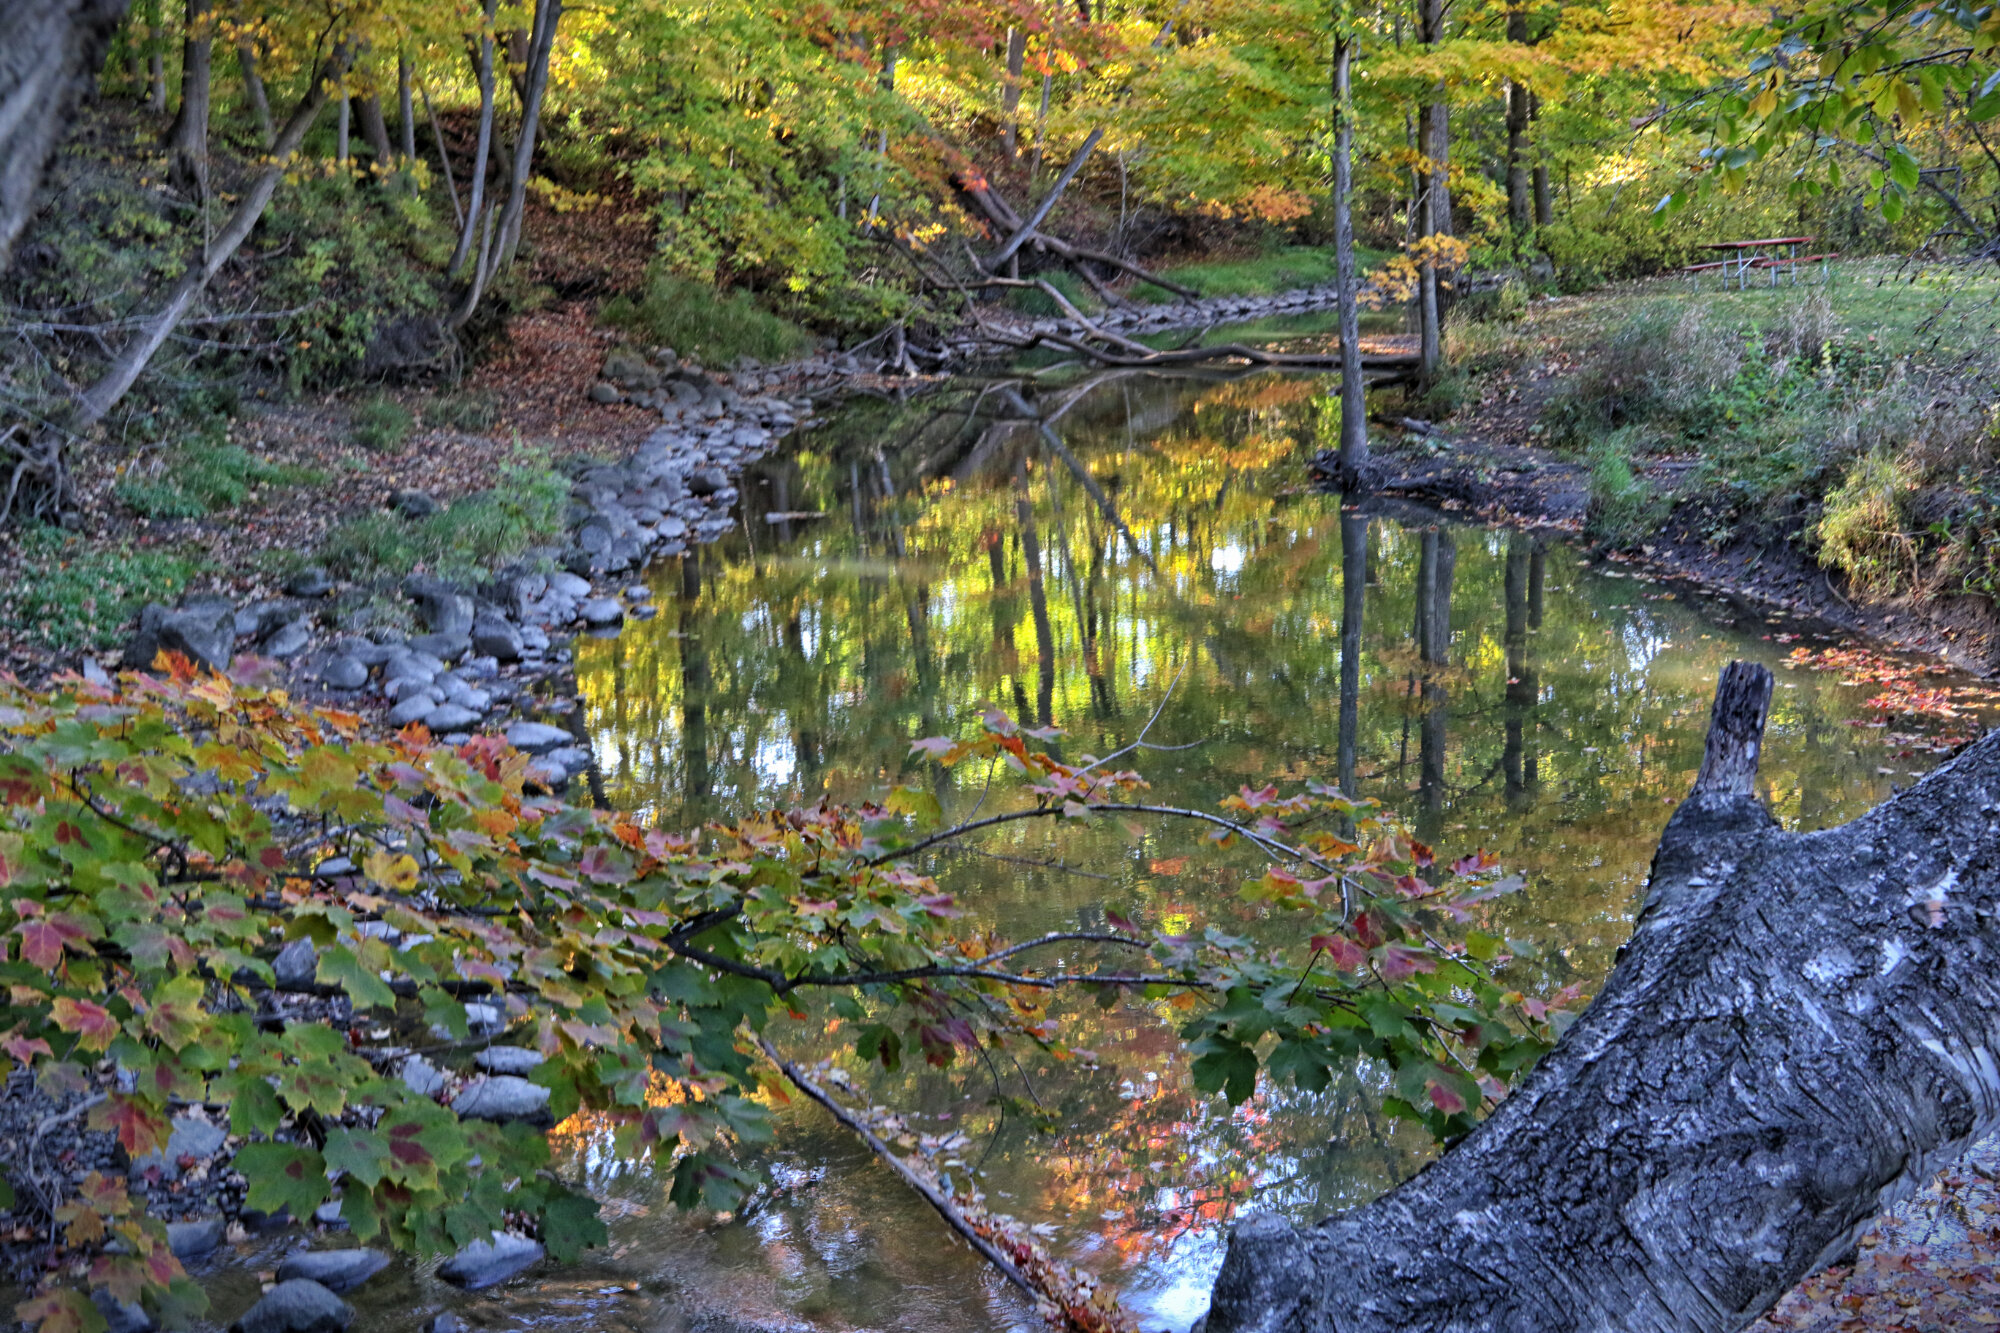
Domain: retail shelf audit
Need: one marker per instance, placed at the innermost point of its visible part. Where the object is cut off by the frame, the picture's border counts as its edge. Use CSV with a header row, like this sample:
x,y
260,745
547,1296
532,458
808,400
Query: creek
x,y
1161,558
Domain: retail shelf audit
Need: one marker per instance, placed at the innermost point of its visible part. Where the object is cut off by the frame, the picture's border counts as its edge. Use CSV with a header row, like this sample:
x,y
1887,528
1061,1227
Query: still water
x,y
1155,551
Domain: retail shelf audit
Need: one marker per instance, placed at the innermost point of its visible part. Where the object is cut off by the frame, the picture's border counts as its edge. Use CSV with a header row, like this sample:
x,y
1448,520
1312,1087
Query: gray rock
x,y
465,694
120,1316
312,581
413,503
447,1323
444,647
485,1262
297,964
422,1077
289,640
450,717
508,1059
413,709
343,672
328,1214
191,1139
192,1240
297,1306
205,634
569,585
144,645
601,392
336,1270
573,758
594,537
332,868
498,640
600,612
638,592
644,611
706,480
537,737
502,1098
483,1019
409,666
442,608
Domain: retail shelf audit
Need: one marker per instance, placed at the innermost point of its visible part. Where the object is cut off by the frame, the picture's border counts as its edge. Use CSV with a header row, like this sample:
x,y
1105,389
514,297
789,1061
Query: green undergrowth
x,y
1858,418
205,478
74,594
380,424
464,539
1280,269
696,320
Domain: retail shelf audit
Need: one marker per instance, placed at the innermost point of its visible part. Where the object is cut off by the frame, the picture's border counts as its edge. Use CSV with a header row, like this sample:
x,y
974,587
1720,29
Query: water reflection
x,y
1148,534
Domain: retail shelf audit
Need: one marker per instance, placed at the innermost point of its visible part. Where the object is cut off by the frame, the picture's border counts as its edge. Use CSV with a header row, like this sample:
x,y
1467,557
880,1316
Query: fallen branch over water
x,y
1065,1297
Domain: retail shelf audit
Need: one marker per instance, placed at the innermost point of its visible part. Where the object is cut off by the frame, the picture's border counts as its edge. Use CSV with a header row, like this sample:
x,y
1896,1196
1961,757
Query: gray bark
x,y
406,110
1010,92
187,138
482,148
1353,383
1519,206
376,131
1802,1030
1041,213
50,50
253,88
1434,139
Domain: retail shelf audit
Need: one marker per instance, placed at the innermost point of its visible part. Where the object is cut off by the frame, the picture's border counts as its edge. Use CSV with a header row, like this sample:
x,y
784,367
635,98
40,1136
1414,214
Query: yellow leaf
x,y
396,872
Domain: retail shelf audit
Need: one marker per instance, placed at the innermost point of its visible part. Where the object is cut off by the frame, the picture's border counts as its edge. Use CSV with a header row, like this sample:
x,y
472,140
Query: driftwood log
x,y
1803,1029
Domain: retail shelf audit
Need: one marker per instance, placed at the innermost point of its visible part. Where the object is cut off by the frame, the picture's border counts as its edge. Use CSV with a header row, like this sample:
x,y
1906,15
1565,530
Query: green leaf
x,y
570,1225
339,967
283,1175
254,1107
1225,1065
919,804
360,1153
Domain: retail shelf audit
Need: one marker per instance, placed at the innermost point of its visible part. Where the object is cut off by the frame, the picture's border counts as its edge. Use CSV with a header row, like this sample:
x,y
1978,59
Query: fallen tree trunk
x,y
1803,1029
50,51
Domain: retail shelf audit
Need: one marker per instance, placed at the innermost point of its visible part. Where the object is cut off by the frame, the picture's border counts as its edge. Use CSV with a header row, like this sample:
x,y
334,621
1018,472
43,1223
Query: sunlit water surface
x,y
1160,554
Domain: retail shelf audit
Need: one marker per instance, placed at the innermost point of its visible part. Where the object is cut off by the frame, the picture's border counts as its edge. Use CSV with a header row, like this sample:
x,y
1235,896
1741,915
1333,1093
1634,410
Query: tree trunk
x,y
1353,386
156,68
1010,93
406,110
1544,213
187,139
1353,608
1434,141
376,131
50,50
1518,203
342,128
1802,1030
548,13
1027,229
253,88
482,149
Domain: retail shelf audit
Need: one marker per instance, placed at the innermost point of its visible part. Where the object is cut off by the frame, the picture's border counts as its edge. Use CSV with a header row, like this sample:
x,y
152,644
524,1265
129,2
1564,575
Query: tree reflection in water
x,y
1158,530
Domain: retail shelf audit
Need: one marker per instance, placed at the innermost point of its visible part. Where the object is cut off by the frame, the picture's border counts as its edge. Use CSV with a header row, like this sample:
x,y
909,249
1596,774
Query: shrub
x,y
1665,363
1863,531
380,423
695,319
75,595
1622,507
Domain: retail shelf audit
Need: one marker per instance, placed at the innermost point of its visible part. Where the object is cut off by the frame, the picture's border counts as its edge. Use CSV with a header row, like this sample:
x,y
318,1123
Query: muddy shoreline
x,y
1520,486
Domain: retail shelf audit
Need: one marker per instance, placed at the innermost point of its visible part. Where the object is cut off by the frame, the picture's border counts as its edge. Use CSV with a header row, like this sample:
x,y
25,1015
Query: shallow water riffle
x,y
1153,555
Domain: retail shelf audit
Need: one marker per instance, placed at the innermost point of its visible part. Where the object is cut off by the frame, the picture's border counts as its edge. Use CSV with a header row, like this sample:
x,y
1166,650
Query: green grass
x,y
74,595
462,540
200,479
470,410
695,319
1274,271
380,423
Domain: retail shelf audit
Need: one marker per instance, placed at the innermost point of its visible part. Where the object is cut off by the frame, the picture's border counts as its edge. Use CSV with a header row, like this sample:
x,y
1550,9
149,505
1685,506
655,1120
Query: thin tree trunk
x,y
156,63
1803,1028
1544,213
1027,229
444,157
253,88
548,13
1519,203
1353,605
343,125
187,138
406,110
1433,138
1353,387
482,147
132,359
1010,94
1041,129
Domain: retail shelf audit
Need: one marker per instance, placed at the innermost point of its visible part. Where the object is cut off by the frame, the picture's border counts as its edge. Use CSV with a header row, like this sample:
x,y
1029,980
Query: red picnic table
x,y
1775,253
